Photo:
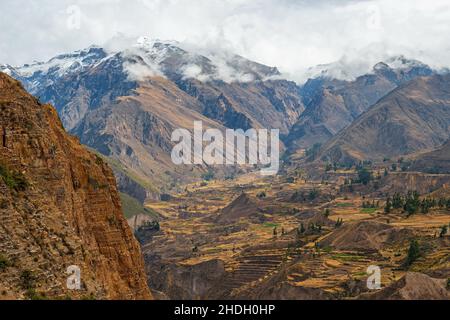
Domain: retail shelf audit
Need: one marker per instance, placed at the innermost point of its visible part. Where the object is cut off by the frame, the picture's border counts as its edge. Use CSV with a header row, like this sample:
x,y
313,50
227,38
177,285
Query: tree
x,y
364,176
413,252
302,228
339,223
443,232
412,203
388,206
397,201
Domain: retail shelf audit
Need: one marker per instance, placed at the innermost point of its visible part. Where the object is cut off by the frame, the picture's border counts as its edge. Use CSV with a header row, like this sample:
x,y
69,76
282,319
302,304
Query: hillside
x,y
437,161
59,207
332,105
414,117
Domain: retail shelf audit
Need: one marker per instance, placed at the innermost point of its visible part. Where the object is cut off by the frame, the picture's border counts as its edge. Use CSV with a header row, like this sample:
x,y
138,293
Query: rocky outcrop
x,y
59,208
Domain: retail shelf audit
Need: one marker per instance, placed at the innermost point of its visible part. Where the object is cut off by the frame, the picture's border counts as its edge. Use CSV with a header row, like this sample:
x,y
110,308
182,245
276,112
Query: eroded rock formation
x,y
59,207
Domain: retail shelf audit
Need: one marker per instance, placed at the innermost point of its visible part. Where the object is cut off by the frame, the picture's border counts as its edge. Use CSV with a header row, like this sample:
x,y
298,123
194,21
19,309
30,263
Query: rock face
x,y
415,117
59,207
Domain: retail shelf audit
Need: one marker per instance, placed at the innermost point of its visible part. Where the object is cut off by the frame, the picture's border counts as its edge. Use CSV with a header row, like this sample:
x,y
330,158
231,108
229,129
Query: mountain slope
x,y
125,104
135,133
332,104
59,207
414,117
437,161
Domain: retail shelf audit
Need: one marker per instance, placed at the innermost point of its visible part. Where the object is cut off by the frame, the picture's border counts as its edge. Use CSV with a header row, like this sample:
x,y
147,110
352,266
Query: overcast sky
x,y
289,34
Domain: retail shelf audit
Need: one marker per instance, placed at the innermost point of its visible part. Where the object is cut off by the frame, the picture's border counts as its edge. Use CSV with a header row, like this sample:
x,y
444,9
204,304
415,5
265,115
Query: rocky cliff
x,y
59,207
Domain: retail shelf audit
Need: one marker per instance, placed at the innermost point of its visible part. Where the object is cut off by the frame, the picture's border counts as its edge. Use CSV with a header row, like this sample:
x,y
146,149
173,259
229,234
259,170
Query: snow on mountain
x,y
402,63
174,60
147,57
38,74
349,70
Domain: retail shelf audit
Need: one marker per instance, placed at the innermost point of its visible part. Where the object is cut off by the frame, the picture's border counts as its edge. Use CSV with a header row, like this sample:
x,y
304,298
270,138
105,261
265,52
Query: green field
x,y
131,207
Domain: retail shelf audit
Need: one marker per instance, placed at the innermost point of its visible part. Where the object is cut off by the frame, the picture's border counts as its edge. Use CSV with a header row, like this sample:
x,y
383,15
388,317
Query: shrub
x,y
208,176
14,180
261,195
4,263
31,294
165,197
313,194
27,280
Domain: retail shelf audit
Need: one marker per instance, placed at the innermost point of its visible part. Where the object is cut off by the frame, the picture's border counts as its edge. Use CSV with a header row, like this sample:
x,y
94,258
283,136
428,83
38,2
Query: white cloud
x,y
292,35
139,72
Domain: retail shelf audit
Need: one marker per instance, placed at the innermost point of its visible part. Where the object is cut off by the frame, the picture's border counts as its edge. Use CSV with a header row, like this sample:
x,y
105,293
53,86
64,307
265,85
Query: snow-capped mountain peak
x,y
349,70
401,63
65,63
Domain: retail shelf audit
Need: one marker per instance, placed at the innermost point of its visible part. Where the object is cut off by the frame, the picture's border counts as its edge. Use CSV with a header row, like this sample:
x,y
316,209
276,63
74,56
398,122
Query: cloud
x,y
139,72
290,34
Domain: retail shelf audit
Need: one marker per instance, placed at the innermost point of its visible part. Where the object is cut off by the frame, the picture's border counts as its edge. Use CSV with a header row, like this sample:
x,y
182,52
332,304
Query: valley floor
x,y
291,238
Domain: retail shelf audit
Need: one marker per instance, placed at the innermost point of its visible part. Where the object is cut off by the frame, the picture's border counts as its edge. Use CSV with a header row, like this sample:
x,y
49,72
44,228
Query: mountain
x,y
59,207
333,104
126,103
414,117
437,161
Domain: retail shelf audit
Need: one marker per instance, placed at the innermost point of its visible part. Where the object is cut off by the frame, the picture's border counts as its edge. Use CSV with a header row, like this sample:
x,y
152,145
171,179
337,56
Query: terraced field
x,y
293,238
